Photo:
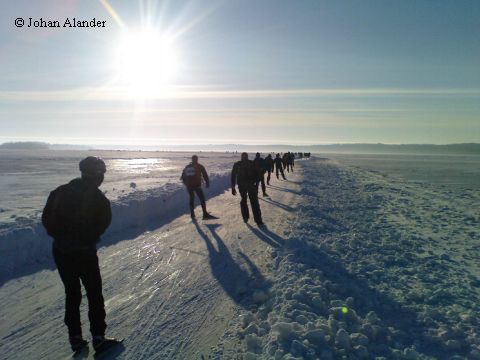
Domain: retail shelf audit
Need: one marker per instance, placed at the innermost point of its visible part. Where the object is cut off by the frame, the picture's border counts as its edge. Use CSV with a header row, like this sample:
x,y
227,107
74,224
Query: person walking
x,y
269,165
286,165
76,215
279,166
260,167
245,175
192,177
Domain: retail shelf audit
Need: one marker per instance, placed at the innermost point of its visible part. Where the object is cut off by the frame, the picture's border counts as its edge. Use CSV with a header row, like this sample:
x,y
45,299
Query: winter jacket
x,y
244,173
260,166
279,163
192,175
269,163
76,214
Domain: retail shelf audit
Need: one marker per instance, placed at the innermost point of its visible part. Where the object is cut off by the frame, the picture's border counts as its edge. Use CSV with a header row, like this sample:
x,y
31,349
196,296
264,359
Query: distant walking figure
x,y
245,175
285,162
291,160
192,176
269,165
76,214
260,167
279,166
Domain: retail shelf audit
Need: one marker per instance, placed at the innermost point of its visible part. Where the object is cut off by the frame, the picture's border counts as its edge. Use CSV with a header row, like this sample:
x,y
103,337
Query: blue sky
x,y
270,71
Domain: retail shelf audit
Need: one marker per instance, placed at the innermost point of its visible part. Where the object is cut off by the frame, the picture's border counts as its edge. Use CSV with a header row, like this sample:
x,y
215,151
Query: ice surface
x,y
27,177
362,258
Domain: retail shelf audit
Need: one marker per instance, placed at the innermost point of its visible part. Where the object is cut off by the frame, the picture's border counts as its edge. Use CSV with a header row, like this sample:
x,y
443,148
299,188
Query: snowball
x,y
315,337
361,352
284,330
358,339
253,343
410,354
342,340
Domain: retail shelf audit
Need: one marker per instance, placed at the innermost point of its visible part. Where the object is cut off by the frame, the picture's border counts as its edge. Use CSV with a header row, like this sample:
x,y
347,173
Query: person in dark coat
x,y
245,175
192,177
76,215
279,166
291,160
285,162
269,165
260,167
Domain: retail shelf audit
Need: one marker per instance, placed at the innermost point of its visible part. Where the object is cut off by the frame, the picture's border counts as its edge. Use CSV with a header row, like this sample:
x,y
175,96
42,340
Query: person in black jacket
x,y
279,166
245,175
269,165
193,176
260,167
76,214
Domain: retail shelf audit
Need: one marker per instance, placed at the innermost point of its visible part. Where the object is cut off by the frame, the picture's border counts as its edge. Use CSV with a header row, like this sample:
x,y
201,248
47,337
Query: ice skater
x,y
269,165
279,166
192,176
245,175
291,160
260,167
76,214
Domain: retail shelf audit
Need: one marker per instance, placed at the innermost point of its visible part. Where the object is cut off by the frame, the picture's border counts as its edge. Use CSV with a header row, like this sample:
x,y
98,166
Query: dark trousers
x,y
73,268
201,196
269,173
261,180
278,168
250,191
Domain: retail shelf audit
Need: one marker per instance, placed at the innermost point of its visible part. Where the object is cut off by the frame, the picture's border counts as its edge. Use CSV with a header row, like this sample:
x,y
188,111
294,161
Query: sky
x,y
240,71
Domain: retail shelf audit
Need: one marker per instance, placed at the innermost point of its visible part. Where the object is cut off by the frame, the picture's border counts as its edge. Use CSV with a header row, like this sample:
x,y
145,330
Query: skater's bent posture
x,y
76,214
192,176
245,175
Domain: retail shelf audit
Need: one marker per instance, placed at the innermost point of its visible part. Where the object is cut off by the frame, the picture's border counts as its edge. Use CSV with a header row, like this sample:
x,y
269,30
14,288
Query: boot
x,y
77,342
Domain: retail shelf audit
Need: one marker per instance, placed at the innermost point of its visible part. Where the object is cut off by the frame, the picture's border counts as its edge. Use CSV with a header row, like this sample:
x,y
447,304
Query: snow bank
x,y
25,246
350,282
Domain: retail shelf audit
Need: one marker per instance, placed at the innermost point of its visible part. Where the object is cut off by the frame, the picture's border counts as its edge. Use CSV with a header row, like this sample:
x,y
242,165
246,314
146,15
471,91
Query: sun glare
x,y
146,63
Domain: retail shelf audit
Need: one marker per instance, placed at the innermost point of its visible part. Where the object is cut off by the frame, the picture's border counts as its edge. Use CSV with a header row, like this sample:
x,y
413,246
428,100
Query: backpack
x,y
191,176
190,171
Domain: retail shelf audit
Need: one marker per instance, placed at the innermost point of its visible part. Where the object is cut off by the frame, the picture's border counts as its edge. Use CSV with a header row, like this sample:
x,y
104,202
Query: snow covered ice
x,y
363,257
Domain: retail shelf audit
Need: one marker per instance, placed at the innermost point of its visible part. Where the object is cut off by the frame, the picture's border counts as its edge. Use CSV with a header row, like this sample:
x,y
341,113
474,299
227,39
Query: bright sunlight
x,y
146,63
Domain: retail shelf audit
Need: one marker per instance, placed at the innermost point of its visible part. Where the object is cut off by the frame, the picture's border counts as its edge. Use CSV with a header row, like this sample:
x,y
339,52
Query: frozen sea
x,y
364,257
27,177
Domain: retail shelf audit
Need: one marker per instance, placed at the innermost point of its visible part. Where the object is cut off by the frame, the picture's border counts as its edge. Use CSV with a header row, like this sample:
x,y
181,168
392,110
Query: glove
x,y
234,192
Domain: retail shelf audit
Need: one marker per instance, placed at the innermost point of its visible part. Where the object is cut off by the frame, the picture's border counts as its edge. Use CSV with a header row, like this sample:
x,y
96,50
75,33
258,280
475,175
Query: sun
x,y
146,63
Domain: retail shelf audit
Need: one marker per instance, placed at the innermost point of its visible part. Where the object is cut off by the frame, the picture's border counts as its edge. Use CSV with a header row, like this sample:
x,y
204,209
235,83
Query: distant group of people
x,y
247,174
78,213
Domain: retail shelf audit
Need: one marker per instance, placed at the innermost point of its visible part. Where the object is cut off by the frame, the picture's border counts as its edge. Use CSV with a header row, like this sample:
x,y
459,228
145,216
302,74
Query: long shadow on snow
x,y
345,284
235,280
267,236
342,284
176,206
275,187
278,204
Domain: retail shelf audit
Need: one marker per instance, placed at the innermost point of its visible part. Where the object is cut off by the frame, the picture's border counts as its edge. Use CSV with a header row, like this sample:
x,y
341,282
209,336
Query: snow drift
x,y
25,247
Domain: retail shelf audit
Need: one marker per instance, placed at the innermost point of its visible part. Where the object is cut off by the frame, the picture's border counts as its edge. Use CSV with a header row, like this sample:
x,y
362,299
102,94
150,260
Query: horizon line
x,y
120,94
